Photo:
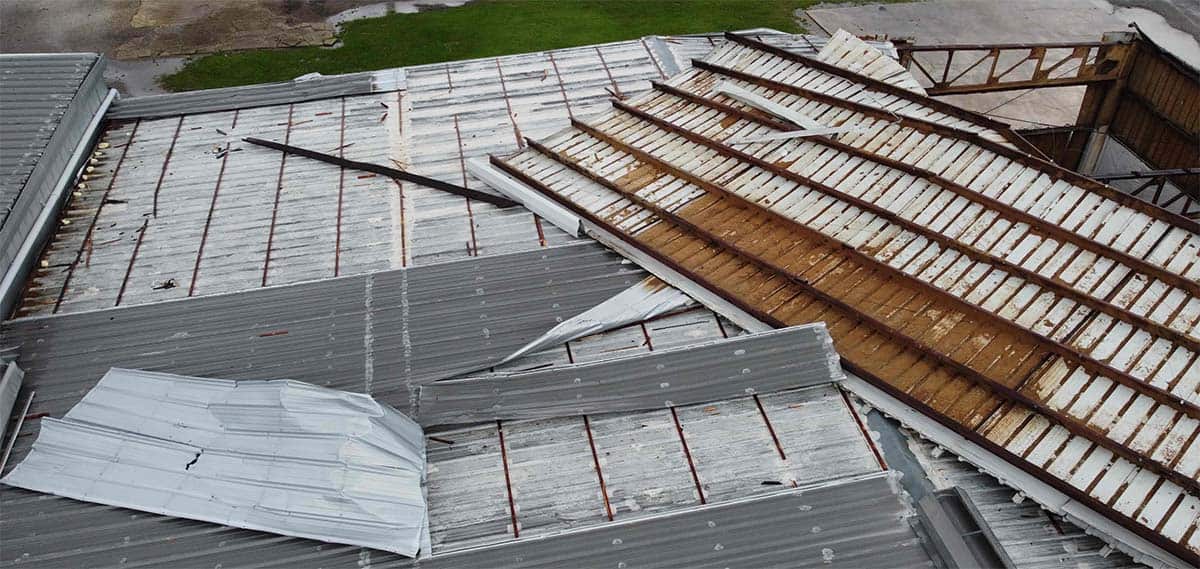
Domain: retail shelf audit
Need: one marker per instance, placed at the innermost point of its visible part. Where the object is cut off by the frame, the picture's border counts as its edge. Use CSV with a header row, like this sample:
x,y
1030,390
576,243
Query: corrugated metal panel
x,y
756,363
46,102
278,456
1099,297
373,333
739,448
845,524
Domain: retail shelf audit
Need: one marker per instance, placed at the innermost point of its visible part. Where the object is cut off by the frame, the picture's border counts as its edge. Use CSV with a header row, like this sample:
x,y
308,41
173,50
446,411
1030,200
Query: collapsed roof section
x,y
1042,315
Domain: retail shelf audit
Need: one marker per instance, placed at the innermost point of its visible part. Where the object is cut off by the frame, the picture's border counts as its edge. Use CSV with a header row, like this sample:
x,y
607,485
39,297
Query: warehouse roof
x,y
378,286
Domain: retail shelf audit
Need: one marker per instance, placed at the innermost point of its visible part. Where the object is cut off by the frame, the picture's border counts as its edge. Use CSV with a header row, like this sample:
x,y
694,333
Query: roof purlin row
x,y
640,154
1009,393
875,379
1029,159
1101,305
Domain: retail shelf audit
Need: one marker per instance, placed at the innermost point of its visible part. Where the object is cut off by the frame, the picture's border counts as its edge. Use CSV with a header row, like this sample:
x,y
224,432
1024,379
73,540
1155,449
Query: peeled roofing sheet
x,y
646,300
765,362
278,456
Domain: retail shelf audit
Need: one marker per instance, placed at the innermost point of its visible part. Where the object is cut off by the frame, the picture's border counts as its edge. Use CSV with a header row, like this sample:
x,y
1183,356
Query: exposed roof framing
x,y
1039,313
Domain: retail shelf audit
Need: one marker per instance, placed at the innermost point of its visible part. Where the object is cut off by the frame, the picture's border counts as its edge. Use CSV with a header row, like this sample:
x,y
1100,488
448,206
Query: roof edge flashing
x,y
13,283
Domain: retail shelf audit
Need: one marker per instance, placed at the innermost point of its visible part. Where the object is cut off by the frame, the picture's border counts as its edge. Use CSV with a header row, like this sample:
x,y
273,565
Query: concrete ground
x,y
1018,21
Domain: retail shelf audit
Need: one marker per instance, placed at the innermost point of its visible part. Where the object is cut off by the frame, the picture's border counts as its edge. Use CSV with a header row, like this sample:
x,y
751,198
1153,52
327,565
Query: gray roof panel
x,y
766,362
373,333
842,524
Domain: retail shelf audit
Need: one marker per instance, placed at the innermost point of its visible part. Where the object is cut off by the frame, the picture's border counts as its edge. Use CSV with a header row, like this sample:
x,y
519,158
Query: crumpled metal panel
x,y
278,456
799,356
645,300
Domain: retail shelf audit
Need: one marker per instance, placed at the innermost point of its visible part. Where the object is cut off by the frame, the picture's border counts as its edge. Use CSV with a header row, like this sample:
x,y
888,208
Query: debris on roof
x,y
277,456
643,301
1040,314
776,180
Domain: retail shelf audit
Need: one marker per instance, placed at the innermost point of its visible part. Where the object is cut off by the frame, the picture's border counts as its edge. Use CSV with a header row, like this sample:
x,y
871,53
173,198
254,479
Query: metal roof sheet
x,y
722,369
279,456
376,333
859,523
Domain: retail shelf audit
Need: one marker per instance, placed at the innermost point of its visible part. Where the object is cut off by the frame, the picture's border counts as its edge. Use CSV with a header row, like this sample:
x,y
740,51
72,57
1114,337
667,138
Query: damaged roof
x,y
372,285
1043,315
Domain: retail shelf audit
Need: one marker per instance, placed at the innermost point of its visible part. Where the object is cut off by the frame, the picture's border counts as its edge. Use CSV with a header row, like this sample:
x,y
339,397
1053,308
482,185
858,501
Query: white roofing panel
x,y
278,456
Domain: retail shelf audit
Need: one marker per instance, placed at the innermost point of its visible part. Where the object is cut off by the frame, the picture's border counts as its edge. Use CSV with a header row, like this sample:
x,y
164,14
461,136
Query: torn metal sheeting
x,y
277,456
856,523
849,52
393,173
648,299
765,362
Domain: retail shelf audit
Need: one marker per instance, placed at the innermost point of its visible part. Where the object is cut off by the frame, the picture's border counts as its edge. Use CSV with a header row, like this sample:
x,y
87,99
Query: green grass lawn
x,y
482,29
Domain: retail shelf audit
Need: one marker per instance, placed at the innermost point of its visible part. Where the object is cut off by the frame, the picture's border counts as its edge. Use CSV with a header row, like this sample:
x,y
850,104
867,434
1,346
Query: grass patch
x,y
483,29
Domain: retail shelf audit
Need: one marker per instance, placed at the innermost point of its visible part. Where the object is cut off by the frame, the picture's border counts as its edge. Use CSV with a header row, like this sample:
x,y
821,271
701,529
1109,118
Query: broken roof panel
x,y
278,456
1084,331
49,104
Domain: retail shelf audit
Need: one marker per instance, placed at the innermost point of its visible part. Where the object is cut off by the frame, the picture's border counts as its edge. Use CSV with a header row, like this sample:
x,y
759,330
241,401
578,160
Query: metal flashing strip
x,y
10,386
846,523
249,96
561,217
278,456
765,362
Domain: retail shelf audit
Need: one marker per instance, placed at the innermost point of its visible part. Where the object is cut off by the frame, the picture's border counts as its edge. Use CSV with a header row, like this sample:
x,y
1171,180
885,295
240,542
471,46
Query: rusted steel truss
x,y
982,68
